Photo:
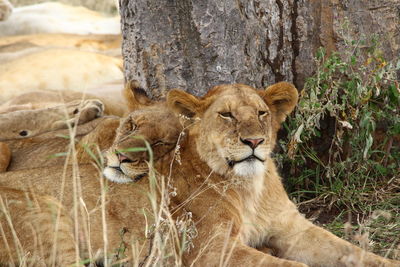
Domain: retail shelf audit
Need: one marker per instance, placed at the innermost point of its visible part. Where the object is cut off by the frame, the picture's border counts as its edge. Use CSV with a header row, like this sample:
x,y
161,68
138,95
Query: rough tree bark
x,y
195,45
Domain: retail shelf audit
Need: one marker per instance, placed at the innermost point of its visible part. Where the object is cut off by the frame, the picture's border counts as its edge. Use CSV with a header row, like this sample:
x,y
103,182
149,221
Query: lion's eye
x,y
261,113
226,115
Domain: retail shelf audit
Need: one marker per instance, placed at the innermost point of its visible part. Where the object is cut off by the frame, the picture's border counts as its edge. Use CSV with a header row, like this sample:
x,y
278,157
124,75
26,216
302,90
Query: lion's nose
x,y
123,159
252,142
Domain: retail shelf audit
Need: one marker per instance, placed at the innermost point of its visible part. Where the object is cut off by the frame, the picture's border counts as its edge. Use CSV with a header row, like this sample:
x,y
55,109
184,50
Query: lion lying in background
x,y
43,133
14,47
224,177
58,47
37,121
35,125
57,69
116,104
61,64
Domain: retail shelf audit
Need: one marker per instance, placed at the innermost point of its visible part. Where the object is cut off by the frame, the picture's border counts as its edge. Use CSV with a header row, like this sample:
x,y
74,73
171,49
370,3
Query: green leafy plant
x,y
342,151
342,135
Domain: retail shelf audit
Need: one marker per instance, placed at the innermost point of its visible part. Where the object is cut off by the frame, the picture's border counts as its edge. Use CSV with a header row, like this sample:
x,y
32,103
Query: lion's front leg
x,y
223,249
298,239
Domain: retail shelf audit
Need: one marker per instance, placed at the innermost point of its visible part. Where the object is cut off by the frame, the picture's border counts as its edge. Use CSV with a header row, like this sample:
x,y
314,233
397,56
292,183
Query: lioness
x,y
34,125
38,133
57,69
38,121
31,214
14,47
242,204
226,179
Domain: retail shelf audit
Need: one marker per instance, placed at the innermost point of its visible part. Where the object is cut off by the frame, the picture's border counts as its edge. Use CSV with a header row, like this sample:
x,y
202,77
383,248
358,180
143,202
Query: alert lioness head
x,y
238,125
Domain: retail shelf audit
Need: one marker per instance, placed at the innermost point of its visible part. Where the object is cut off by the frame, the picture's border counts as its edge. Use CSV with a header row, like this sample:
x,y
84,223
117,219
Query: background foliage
x,y
343,145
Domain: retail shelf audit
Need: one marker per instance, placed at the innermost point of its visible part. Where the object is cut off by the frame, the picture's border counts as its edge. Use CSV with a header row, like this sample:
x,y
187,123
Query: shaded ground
x,y
376,228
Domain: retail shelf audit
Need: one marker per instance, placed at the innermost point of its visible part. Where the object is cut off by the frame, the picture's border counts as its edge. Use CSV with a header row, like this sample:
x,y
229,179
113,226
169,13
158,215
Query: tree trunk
x,y
194,45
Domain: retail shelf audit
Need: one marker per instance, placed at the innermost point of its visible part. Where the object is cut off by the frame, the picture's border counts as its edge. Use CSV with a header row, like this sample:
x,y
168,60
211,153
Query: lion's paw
x,y
80,112
89,110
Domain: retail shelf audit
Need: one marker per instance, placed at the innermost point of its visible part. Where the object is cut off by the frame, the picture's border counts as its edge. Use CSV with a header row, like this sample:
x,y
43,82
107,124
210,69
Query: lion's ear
x,y
184,103
281,98
136,96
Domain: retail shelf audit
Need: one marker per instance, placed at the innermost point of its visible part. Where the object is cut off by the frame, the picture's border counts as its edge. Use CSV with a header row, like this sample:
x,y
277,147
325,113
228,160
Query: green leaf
x,y
368,145
353,60
321,53
87,149
396,128
381,169
394,95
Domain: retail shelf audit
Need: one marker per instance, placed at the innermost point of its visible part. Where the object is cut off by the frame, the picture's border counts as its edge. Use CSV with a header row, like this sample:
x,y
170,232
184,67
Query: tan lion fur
x,y
13,47
61,62
246,207
37,121
39,114
57,69
5,156
125,209
111,95
51,148
68,62
223,174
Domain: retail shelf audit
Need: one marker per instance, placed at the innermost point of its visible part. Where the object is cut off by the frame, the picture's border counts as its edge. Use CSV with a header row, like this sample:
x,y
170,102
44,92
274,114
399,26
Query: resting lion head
x,y
238,124
151,126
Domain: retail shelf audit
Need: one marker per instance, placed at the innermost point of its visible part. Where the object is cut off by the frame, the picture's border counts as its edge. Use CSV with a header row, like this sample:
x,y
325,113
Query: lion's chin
x,y
249,168
117,176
